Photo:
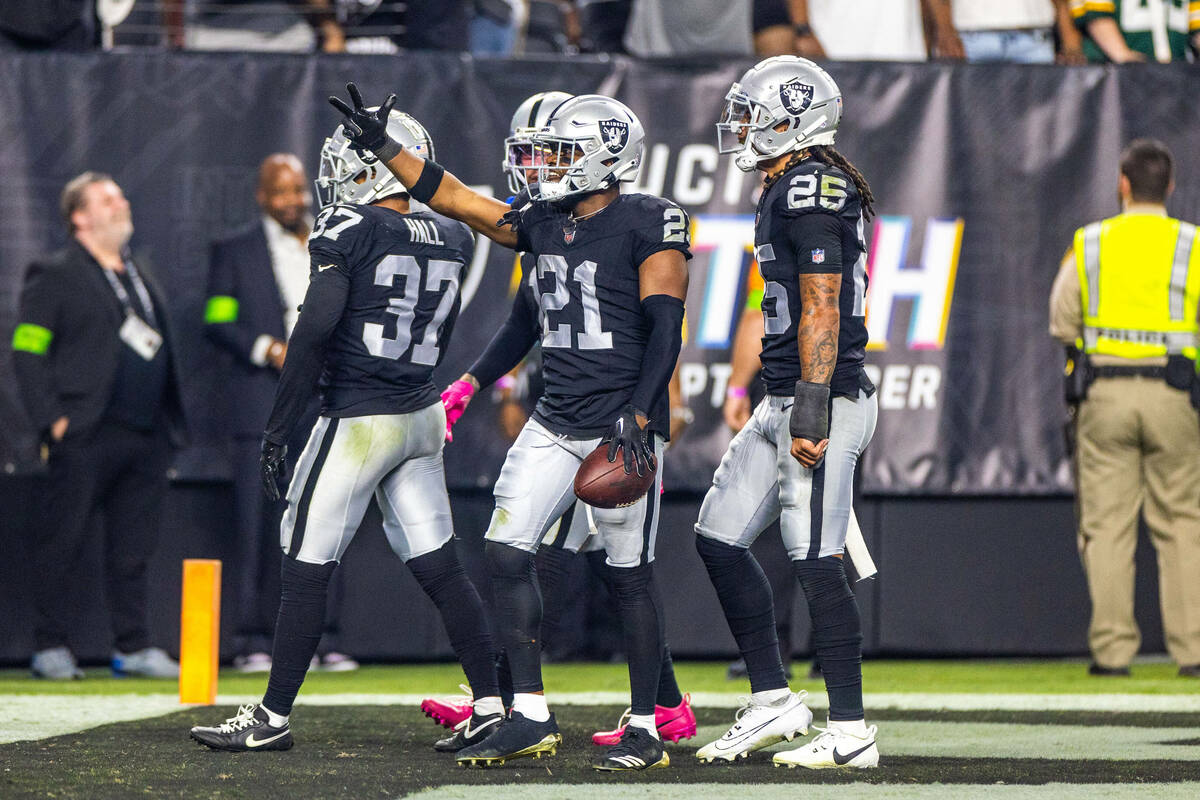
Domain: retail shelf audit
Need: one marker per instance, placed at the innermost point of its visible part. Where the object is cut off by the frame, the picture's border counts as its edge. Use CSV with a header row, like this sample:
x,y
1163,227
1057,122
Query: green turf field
x,y
949,729
1003,676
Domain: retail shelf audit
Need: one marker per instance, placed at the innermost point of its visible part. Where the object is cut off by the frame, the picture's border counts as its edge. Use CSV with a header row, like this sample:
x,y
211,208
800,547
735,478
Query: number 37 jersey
x,y
405,272
584,276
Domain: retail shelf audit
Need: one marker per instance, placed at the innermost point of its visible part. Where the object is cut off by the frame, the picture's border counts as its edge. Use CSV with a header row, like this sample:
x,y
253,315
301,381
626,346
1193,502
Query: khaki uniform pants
x,y
1139,448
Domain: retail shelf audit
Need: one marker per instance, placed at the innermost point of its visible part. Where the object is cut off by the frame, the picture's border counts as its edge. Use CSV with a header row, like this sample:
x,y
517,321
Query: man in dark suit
x,y
95,370
257,280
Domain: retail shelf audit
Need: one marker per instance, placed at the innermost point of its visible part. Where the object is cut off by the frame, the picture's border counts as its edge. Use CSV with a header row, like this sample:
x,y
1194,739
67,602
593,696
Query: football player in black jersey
x,y
380,306
795,459
673,714
610,278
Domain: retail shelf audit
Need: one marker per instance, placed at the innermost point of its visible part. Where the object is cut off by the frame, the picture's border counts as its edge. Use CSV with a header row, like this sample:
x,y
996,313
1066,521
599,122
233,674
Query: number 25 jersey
x,y
584,276
810,222
405,271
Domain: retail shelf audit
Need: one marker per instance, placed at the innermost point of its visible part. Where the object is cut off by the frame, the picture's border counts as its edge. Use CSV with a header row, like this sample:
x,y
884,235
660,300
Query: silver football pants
x,y
395,457
759,481
537,485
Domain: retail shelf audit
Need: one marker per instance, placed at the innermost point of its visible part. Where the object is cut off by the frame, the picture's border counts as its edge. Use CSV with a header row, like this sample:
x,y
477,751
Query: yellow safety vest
x,y
1140,278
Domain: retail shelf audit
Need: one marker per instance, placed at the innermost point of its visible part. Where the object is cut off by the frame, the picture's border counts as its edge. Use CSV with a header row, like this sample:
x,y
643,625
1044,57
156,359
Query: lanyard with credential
x,y
123,296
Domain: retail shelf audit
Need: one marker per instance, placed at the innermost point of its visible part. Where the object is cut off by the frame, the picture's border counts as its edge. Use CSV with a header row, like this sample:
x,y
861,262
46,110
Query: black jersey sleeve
x,y
662,225
341,236
324,303
817,242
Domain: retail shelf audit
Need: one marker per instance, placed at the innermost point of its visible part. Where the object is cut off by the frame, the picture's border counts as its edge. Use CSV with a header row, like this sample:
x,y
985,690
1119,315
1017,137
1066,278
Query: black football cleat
x,y
638,749
248,730
472,730
516,736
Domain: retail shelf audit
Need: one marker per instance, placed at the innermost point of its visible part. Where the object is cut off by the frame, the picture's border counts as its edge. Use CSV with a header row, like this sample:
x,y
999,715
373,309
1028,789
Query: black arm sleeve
x,y
323,306
662,349
510,344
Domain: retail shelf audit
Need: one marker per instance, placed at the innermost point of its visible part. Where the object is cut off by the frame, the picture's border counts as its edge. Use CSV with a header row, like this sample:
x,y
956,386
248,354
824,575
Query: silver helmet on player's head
x,y
530,117
348,176
590,142
778,91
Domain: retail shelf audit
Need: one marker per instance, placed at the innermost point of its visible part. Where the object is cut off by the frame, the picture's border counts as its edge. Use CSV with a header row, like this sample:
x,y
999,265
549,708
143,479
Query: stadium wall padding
x,y
981,173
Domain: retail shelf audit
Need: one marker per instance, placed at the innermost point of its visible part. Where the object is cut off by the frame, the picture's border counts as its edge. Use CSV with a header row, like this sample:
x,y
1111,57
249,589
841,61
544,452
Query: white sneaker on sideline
x,y
758,726
833,749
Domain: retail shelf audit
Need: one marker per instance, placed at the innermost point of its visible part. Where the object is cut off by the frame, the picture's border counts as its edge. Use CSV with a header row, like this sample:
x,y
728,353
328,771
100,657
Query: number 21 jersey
x,y
585,277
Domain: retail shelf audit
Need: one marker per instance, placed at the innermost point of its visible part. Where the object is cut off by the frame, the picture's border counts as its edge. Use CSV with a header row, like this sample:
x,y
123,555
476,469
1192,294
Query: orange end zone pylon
x,y
200,631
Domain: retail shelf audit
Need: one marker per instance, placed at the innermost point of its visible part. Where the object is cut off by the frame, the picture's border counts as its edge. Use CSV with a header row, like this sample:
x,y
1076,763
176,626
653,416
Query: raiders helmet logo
x,y
796,97
615,133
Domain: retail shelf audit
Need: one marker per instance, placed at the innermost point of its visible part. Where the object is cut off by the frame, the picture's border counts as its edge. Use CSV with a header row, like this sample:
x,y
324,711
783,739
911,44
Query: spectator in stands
x,y
663,28
274,25
389,26
883,30
494,26
1130,30
1018,31
602,25
48,25
1127,294
256,283
92,353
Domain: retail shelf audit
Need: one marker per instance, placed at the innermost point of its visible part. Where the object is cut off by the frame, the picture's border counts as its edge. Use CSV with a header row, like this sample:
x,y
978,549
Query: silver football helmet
x,y
529,118
777,90
348,176
590,143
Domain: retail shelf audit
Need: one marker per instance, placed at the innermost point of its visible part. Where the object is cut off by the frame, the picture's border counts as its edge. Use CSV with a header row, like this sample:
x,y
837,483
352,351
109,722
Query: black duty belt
x,y
1158,373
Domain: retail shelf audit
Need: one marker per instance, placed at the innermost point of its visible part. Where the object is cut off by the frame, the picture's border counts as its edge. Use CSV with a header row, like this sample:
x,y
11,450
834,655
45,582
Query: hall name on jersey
x,y
422,231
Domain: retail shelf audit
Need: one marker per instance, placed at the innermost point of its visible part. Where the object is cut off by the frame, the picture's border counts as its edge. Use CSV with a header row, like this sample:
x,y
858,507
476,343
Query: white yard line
x,y
25,717
741,791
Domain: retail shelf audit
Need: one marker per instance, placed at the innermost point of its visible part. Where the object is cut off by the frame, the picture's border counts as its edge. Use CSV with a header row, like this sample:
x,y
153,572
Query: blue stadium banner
x,y
981,174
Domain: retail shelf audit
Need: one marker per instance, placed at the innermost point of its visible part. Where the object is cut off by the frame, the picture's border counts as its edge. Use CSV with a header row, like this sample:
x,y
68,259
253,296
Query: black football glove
x,y
626,435
367,130
274,470
517,205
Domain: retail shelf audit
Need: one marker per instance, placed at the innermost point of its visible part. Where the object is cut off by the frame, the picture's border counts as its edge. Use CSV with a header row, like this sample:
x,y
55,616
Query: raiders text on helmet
x,y
347,176
775,91
529,118
589,143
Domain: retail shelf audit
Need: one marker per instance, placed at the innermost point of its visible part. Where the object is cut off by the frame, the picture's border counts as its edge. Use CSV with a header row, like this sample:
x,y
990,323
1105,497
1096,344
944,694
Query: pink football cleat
x,y
673,724
449,711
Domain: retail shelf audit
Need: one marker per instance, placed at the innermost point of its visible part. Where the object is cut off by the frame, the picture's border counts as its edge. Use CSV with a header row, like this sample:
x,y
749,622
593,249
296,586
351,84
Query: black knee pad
x,y
510,562
718,555
301,579
824,582
631,580
437,569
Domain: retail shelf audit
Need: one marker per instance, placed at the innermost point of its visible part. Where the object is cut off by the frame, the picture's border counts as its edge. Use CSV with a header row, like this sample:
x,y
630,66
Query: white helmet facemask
x,y
781,105
348,176
590,143
530,117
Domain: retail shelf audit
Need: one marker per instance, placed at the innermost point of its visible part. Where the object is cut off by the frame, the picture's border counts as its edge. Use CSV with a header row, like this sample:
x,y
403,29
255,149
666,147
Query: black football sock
x,y
837,632
553,570
669,695
445,581
643,640
504,675
297,629
518,613
749,607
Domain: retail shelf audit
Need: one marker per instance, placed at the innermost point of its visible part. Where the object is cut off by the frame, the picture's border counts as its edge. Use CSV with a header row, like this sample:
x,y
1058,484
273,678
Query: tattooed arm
x,y
820,318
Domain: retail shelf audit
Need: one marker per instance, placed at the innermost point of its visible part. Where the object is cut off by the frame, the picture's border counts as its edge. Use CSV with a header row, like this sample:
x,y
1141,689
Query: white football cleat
x,y
833,749
759,726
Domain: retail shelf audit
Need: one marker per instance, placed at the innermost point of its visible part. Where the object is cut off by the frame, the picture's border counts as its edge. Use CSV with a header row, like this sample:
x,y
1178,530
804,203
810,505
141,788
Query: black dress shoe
x,y
1108,672
1189,671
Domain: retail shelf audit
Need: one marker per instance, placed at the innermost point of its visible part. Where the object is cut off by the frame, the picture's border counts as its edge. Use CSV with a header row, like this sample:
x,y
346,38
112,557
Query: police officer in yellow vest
x,y
1127,295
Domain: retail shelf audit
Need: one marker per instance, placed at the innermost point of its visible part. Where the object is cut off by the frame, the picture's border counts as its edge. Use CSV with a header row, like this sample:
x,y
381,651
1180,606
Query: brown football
x,y
604,484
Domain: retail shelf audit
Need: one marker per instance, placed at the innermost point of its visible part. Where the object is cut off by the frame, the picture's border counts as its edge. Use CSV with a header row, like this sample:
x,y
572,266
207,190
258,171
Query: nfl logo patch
x,y
818,256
